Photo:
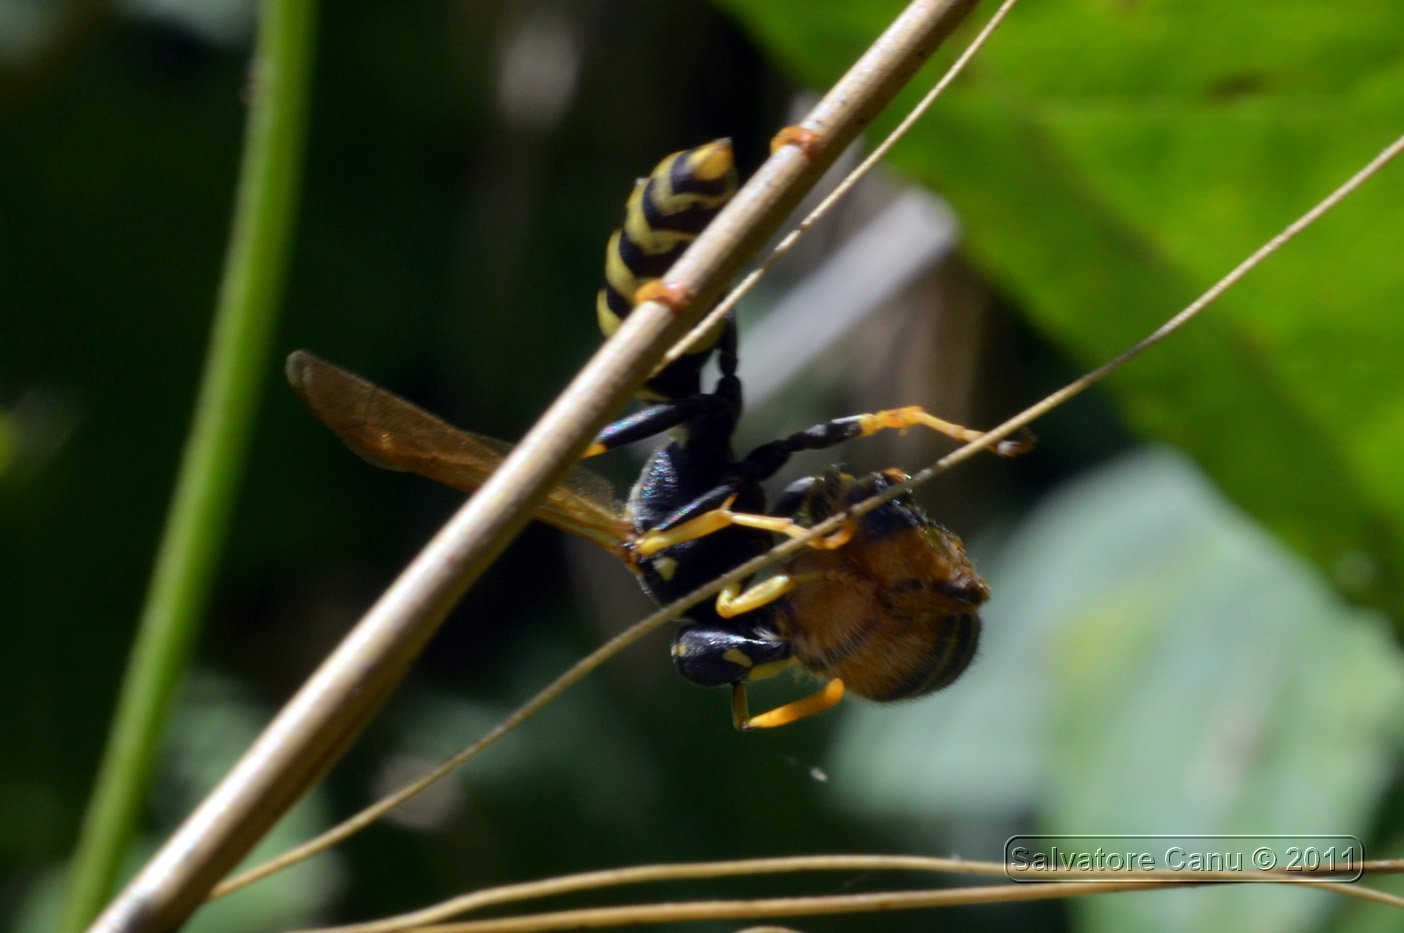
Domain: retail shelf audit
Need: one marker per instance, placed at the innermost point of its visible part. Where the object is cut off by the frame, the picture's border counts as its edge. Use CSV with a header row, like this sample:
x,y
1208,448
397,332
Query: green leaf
x,y
1213,685
1112,160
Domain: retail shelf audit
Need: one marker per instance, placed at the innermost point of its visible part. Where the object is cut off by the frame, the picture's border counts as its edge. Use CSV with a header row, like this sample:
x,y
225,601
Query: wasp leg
x,y
699,526
733,601
763,462
673,295
712,654
655,419
912,416
741,718
808,141
681,403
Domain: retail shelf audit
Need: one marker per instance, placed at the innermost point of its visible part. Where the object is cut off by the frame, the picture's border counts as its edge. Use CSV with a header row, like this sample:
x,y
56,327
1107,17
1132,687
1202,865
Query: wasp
x,y
886,608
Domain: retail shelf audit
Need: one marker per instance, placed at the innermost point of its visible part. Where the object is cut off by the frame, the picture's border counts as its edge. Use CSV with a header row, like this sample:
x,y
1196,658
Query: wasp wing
x,y
398,435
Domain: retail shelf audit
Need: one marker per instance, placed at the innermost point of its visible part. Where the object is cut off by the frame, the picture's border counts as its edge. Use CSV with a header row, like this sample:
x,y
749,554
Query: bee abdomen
x,y
881,651
950,656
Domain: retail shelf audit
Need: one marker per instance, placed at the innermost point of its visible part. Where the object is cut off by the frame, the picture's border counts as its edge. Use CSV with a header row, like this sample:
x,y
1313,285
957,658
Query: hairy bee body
x,y
894,612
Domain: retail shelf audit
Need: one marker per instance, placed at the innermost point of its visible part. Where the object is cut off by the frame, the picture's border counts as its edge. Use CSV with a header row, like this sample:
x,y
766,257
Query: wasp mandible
x,y
887,608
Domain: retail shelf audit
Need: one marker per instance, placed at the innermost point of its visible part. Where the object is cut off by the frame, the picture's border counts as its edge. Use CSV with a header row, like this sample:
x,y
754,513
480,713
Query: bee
x,y
886,608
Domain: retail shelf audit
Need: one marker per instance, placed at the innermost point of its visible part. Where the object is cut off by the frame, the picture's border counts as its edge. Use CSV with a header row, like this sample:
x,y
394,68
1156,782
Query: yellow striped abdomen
x,y
663,216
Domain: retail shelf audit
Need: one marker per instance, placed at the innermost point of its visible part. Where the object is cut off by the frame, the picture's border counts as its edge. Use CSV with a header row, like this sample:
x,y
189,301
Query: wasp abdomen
x,y
664,215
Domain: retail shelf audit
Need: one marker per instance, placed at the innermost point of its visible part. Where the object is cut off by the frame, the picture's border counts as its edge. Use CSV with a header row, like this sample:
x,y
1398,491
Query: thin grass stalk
x,y
607,879
216,449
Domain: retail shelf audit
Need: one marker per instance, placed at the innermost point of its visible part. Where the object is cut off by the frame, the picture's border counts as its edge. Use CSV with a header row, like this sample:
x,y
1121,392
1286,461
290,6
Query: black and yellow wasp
x,y
886,607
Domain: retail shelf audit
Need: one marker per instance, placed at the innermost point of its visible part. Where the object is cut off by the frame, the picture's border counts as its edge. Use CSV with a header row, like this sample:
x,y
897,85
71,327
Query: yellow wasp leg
x,y
827,698
912,416
808,141
674,295
732,601
788,526
699,526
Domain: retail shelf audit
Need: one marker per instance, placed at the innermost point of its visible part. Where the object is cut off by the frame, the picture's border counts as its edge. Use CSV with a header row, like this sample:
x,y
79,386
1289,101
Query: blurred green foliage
x,y
1150,655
